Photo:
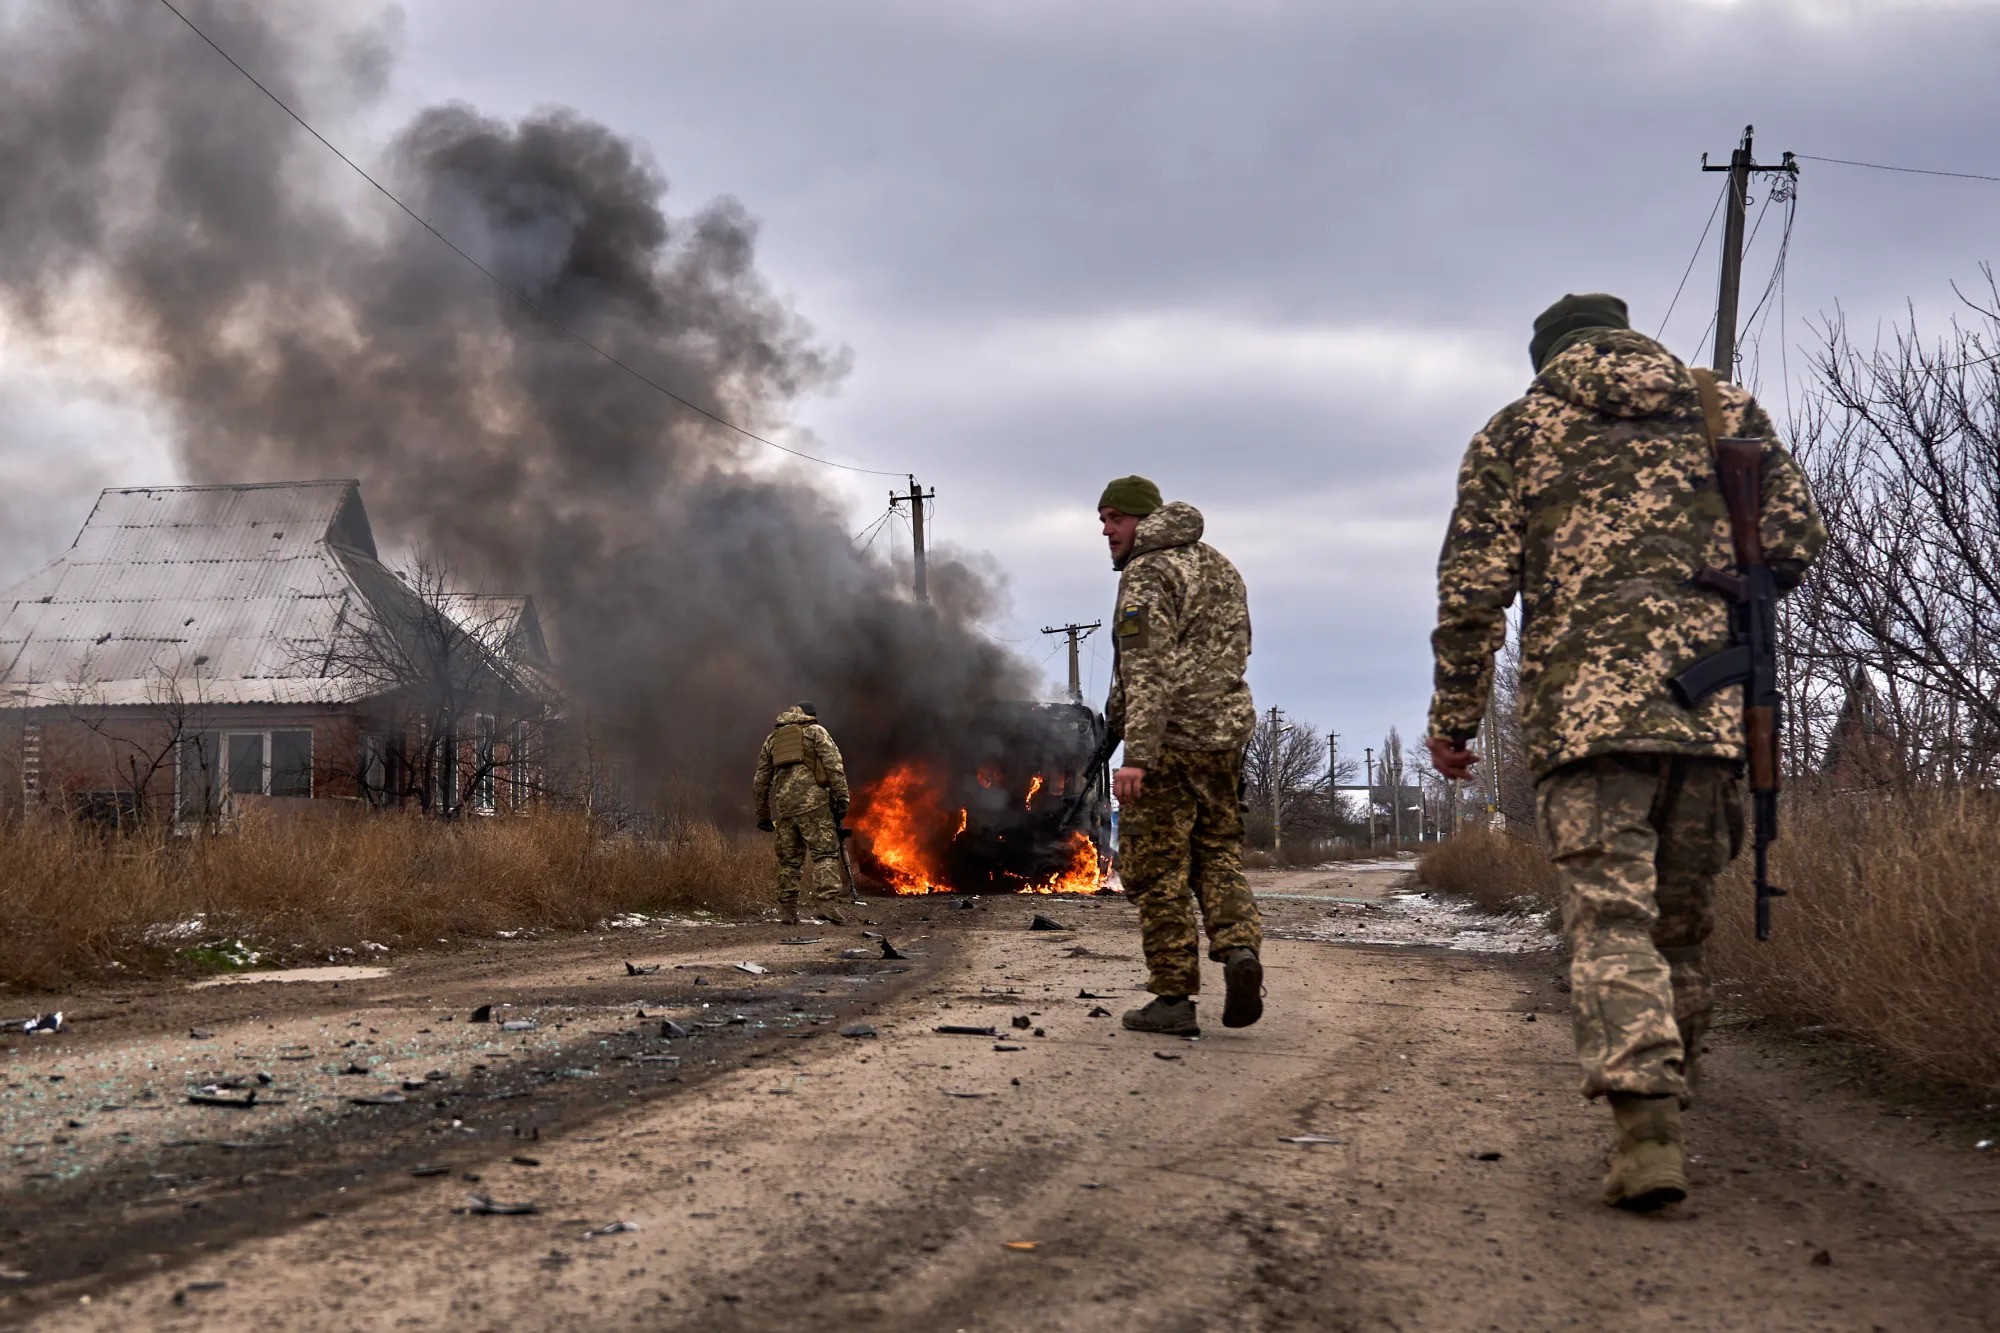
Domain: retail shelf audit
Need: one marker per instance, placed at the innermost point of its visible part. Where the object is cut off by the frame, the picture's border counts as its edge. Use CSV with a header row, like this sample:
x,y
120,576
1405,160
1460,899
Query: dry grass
x,y
1890,937
1495,871
76,902
1891,934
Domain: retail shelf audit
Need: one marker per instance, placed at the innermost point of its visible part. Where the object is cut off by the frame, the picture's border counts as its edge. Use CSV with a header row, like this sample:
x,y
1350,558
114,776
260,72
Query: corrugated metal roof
x,y
213,592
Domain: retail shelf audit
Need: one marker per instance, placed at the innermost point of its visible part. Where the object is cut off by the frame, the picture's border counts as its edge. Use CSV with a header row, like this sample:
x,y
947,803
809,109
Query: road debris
x,y
804,939
754,969
965,1030
215,1096
1090,995
610,1229
519,1025
1487,1155
485,1206
891,951
1003,1046
969,1096
1166,1055
1822,1258
857,953
1023,1021
1309,1138
1023,1244
859,1030
423,1171
196,1034
483,1014
1046,923
518,1160
671,1031
380,1099
1098,1011
41,1025
637,970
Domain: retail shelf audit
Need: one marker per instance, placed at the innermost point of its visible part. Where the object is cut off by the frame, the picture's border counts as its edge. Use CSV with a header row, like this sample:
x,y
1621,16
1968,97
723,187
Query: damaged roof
x,y
212,594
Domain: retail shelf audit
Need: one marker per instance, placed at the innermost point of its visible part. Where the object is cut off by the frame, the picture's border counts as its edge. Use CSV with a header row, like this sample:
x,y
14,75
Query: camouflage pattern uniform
x,y
1182,637
1594,498
791,798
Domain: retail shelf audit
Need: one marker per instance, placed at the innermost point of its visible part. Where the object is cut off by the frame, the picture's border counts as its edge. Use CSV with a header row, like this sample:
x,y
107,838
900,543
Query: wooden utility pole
x,y
1742,165
1370,752
915,500
1333,778
1271,779
1077,634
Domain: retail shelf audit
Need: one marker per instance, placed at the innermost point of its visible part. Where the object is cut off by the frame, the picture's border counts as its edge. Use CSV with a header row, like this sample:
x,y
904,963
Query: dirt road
x,y
1061,1175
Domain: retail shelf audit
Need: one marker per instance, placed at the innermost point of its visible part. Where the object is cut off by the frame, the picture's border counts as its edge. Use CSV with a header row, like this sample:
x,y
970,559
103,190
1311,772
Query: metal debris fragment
x,y
213,1096
611,1229
41,1025
519,1025
483,1014
754,969
635,970
859,1030
489,1207
1046,923
1309,1138
965,1030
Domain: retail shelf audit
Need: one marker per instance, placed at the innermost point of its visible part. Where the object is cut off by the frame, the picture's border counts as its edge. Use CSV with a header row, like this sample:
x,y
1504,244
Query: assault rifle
x,y
1751,659
1093,775
847,869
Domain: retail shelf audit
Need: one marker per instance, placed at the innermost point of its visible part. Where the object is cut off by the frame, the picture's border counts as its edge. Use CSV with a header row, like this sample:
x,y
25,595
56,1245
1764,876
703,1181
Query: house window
x,y
482,759
243,763
518,777
447,773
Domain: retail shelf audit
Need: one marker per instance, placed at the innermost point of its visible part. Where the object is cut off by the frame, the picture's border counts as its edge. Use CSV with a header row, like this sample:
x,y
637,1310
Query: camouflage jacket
x,y
1594,497
1181,634
783,791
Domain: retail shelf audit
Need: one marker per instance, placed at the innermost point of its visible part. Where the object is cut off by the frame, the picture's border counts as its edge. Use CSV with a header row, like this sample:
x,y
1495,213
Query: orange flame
x,y
1033,787
906,831
1084,874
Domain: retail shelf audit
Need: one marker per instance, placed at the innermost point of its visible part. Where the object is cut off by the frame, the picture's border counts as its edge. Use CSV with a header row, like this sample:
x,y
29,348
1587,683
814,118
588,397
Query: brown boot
x,y
830,914
1168,1017
788,914
1647,1169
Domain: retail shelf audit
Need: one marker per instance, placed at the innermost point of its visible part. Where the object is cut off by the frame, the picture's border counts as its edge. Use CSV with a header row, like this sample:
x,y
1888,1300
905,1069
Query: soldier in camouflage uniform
x,y
1593,497
801,795
1182,639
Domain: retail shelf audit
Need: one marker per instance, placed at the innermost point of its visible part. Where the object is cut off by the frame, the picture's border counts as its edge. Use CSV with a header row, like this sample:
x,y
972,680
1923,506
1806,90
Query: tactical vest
x,y
788,747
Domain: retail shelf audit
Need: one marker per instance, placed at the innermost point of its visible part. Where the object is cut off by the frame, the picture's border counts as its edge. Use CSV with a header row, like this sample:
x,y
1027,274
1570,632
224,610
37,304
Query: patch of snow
x,y
1414,919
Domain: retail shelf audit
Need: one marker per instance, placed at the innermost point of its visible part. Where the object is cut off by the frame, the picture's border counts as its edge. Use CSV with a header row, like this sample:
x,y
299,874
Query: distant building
x,y
206,650
1863,751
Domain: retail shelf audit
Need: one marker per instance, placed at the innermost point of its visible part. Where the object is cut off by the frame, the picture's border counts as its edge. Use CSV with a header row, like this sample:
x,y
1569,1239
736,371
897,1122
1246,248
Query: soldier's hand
x,y
1125,784
1451,758
840,812
765,826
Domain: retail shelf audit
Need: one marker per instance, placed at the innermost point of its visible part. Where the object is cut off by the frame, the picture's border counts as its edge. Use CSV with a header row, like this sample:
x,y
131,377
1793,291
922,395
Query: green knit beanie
x,y
1569,319
1131,495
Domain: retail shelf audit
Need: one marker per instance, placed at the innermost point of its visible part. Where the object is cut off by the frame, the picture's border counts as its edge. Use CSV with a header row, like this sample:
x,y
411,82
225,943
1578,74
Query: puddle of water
x,y
294,974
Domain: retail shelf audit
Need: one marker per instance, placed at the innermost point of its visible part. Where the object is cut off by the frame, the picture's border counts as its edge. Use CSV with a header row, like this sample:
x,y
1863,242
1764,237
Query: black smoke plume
x,y
294,325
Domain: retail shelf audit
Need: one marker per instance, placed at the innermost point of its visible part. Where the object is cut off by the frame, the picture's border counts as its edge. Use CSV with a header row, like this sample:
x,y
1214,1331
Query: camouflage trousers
x,y
1639,840
1179,844
814,832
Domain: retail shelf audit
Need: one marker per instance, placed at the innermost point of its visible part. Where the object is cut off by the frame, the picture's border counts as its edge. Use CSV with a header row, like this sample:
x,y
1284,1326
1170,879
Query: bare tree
x,y
1902,446
456,711
144,749
1289,759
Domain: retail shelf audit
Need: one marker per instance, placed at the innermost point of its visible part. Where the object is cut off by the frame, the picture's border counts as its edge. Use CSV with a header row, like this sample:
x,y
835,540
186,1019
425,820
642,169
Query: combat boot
x,y
830,914
1243,976
788,914
1169,1018
1647,1169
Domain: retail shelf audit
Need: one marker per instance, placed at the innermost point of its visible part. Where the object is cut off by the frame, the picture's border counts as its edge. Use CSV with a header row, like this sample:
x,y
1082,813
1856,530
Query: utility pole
x,y
1333,778
1077,634
1370,752
1742,165
1271,778
915,500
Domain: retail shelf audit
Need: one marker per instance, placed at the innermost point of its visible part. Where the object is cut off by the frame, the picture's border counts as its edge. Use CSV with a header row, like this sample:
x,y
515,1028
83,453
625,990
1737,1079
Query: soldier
x,y
1181,632
801,795
1594,497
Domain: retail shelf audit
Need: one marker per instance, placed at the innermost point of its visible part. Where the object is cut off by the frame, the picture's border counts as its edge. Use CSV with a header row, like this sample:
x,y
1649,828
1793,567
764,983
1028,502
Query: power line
x,y
1706,228
502,283
1910,171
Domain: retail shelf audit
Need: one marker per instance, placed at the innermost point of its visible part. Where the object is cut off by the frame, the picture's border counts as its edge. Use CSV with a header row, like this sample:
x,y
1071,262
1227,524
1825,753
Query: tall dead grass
x,y
1890,935
1496,871
74,901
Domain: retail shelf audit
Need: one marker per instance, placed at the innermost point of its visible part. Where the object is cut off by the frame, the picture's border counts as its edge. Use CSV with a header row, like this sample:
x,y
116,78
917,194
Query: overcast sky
x,y
1282,257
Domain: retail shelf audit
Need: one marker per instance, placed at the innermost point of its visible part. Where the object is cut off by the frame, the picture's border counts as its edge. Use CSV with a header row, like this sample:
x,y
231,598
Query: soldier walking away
x,y
801,795
1181,635
1594,497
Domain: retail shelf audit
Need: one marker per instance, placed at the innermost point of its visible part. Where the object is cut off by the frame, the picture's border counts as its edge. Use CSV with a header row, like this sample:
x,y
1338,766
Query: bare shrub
x,y
77,901
1494,871
1891,934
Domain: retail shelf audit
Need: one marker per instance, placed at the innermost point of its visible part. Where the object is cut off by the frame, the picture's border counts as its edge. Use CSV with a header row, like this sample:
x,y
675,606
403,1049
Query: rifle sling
x,y
1711,404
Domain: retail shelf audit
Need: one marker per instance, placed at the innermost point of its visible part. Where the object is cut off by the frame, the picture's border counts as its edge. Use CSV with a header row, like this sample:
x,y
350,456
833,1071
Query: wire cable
x,y
1911,171
502,283
1692,259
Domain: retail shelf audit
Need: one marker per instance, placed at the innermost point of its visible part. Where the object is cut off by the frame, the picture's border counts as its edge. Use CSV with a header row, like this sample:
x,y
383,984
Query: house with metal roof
x,y
213,648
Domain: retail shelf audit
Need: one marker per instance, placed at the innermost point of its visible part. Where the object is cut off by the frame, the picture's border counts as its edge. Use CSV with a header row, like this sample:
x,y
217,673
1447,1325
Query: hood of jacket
x,y
793,717
1175,524
1616,373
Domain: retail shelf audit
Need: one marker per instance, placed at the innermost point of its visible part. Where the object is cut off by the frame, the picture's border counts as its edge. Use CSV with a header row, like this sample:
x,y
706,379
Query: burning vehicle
x,y
1025,807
